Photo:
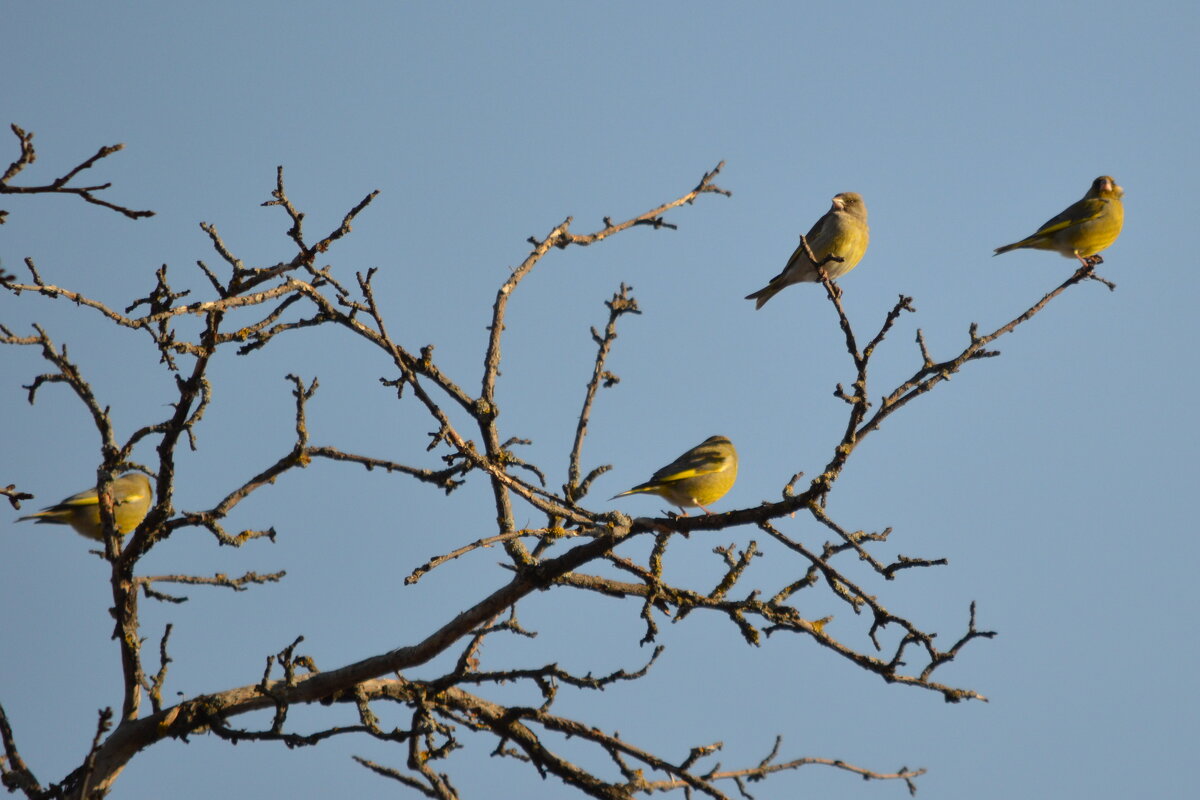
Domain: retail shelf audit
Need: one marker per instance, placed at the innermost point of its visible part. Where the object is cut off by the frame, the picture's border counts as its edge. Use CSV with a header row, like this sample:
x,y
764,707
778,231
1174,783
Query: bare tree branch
x,y
244,308
59,185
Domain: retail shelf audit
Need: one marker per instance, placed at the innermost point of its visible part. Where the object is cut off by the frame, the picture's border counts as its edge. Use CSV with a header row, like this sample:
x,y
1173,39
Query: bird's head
x,y
1105,186
851,202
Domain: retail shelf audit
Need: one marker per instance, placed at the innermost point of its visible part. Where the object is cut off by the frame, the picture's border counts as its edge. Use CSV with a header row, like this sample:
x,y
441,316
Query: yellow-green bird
x,y
698,478
842,233
1084,229
131,495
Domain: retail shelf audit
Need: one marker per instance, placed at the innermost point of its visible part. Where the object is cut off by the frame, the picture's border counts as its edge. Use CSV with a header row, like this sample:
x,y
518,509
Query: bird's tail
x,y
50,516
764,294
641,487
1030,242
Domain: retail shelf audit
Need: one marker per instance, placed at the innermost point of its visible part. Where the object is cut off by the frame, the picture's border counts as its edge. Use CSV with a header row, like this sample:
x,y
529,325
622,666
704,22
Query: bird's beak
x,y
839,204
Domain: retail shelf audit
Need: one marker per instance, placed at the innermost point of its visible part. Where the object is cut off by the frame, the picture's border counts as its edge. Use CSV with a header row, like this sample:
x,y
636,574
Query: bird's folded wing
x,y
1082,211
81,500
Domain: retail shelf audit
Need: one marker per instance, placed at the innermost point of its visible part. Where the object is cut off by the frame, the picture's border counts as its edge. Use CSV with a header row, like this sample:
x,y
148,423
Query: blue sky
x,y
1054,479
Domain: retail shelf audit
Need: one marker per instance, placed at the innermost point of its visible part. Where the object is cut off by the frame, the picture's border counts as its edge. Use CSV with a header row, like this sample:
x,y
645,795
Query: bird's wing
x,y
816,237
690,465
798,255
1086,209
820,226
87,497
127,492
831,235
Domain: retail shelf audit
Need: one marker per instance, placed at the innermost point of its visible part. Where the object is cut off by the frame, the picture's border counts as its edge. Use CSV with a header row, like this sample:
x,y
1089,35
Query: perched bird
x,y
698,478
841,233
131,495
1084,229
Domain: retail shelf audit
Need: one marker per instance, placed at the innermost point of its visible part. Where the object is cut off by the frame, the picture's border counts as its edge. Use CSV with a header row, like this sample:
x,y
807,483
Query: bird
x,y
841,234
698,478
131,495
1085,228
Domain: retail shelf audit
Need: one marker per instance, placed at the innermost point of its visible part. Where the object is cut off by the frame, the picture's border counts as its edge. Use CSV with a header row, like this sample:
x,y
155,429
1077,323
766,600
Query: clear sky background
x,y
1056,479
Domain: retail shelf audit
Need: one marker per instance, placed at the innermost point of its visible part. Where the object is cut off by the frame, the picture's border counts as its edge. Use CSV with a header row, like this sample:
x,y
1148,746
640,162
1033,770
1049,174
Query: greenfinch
x,y
698,478
131,495
841,234
1084,229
